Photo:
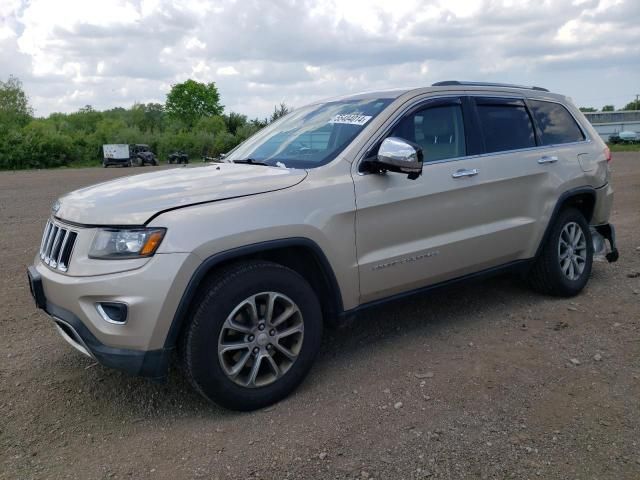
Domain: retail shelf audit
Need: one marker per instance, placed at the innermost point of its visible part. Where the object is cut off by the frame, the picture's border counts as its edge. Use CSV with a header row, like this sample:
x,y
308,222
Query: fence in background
x,y
610,123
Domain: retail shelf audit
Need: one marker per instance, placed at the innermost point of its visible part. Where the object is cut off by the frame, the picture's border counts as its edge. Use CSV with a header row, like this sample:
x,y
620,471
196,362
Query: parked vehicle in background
x,y
128,155
142,155
624,137
334,208
116,154
178,157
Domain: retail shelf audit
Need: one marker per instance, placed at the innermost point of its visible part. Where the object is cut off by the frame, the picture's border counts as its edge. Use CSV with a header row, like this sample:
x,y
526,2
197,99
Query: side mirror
x,y
398,155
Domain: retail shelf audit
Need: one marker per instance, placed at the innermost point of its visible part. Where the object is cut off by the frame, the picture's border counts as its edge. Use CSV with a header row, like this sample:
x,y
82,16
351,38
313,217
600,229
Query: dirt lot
x,y
487,380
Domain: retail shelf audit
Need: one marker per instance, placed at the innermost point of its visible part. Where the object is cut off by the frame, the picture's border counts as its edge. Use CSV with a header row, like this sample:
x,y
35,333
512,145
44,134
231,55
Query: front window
x,y
439,130
310,136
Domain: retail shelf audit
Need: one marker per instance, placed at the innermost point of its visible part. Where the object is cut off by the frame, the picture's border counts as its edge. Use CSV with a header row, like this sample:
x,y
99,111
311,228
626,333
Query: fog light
x,y
113,312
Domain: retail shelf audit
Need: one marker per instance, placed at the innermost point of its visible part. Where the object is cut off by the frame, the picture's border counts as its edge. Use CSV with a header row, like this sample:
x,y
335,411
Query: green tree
x,y
234,121
258,124
15,110
279,111
608,108
136,116
634,105
153,117
588,109
190,101
211,125
85,119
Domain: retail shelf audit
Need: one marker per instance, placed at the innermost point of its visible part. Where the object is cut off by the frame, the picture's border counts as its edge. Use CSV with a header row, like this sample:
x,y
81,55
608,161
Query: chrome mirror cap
x,y
399,155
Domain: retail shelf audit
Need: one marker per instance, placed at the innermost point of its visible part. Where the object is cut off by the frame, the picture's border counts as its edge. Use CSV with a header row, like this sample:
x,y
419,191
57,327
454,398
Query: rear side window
x,y
506,125
555,123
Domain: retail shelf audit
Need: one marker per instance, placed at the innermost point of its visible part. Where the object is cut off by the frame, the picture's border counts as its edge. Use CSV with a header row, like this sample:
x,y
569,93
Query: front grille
x,y
57,245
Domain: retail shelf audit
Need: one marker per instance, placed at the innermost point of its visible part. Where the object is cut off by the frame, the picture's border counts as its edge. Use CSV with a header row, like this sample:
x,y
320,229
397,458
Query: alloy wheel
x,y
572,251
261,339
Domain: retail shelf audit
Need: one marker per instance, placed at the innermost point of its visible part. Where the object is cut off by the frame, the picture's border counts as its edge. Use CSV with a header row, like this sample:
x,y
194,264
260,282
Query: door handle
x,y
464,173
546,159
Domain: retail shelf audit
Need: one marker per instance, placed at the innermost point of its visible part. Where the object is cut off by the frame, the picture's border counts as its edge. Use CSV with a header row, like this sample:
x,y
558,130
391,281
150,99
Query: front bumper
x,y
151,363
151,293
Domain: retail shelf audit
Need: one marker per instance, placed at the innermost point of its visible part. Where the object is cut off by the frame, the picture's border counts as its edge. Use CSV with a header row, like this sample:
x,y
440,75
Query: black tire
x,y
105,165
546,275
217,299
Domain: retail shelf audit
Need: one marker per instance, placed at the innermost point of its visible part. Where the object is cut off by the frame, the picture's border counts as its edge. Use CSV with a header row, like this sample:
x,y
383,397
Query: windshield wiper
x,y
251,161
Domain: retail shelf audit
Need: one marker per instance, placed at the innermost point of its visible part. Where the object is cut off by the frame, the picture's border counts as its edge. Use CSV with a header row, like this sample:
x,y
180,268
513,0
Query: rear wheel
x,y
564,265
253,336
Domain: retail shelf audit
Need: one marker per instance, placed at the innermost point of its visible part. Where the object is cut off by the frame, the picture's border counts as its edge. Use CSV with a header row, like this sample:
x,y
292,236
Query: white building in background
x,y
609,123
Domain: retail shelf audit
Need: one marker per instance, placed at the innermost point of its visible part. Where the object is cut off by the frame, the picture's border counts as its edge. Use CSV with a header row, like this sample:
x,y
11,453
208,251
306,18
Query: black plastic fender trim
x,y
205,267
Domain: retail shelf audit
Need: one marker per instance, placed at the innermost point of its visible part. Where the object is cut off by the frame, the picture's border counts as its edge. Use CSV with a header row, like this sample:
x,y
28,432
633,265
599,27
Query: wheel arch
x,y
582,198
300,254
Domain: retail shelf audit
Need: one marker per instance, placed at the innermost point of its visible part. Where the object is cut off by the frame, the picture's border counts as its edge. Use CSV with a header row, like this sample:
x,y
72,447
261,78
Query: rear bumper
x,y
603,205
608,231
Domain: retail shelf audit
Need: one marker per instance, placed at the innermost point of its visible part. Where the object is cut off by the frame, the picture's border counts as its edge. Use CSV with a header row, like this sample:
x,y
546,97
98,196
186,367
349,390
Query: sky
x,y
110,53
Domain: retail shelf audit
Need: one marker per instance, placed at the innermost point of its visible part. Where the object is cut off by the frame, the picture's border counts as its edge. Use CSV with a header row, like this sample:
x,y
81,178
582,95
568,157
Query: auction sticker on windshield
x,y
351,119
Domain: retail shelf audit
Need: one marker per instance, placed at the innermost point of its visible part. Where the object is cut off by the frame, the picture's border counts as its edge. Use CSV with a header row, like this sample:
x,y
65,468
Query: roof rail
x,y
447,83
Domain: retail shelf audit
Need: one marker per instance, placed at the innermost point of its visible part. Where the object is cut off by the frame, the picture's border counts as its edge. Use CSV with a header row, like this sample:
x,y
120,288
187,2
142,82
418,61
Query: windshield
x,y
310,136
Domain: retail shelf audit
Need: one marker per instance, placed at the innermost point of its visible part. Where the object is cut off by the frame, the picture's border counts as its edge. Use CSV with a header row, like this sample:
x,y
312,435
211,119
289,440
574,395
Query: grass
x,y
624,147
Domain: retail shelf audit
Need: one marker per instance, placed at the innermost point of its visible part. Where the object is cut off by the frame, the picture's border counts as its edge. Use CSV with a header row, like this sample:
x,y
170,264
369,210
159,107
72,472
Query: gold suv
x,y
334,208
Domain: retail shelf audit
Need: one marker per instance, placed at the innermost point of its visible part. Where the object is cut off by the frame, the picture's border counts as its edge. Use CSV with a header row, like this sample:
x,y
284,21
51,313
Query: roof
x,y
448,85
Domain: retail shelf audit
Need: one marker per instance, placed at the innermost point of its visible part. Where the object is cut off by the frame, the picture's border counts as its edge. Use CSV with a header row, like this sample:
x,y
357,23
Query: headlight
x,y
126,243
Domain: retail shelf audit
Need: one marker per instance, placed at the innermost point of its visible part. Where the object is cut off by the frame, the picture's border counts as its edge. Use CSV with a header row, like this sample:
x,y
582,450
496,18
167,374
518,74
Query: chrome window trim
x,y
412,105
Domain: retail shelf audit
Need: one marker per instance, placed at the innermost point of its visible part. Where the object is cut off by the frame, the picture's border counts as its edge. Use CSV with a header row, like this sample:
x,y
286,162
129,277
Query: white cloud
x,y
114,52
226,71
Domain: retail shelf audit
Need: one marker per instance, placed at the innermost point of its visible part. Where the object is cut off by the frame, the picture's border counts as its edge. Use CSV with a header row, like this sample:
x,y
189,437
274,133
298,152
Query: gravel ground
x,y
486,380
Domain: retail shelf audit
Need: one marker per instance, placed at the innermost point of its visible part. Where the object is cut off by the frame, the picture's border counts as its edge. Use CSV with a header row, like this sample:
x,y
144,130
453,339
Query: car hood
x,y
134,200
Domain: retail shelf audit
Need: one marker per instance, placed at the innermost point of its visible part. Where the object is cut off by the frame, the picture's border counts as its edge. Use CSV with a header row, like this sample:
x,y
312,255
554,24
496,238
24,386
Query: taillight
x,y
607,154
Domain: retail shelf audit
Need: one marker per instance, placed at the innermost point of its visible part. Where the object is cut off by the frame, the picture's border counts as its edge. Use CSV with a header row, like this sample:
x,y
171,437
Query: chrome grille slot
x,y
57,245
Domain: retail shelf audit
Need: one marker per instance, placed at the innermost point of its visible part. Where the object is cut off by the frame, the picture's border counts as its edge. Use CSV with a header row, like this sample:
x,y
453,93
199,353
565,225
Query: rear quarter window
x,y
505,126
555,123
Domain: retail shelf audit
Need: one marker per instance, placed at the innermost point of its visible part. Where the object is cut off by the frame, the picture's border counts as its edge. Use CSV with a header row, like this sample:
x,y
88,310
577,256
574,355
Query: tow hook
x,y
606,231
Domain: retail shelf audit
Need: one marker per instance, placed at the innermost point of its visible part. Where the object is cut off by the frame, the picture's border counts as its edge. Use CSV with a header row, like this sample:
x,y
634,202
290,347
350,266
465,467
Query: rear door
x,y
521,177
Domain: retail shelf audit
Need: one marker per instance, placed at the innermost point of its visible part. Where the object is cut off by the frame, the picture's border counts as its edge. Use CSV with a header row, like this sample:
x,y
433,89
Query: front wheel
x,y
564,264
253,337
